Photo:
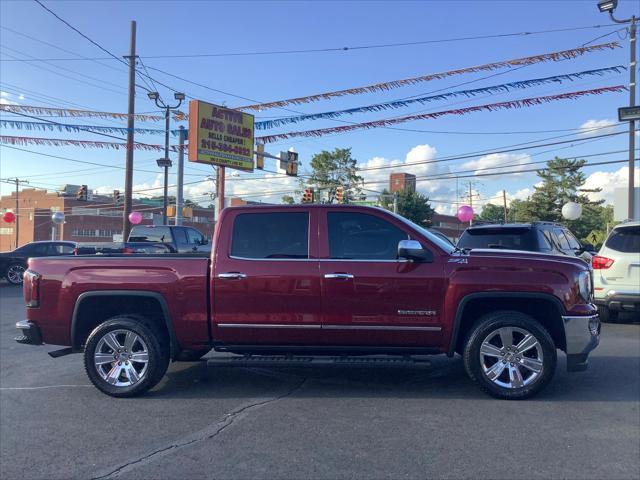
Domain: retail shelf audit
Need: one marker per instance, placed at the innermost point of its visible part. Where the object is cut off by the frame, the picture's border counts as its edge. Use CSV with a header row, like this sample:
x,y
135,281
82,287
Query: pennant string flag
x,y
504,87
491,107
61,142
68,112
65,127
384,86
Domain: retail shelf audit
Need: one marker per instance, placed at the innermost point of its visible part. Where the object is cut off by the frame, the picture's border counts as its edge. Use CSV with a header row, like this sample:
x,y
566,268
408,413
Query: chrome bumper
x,y
29,333
582,334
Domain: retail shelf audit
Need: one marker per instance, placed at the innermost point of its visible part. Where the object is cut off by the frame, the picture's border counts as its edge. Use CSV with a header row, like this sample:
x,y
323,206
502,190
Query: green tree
x,y
332,169
288,199
492,213
411,205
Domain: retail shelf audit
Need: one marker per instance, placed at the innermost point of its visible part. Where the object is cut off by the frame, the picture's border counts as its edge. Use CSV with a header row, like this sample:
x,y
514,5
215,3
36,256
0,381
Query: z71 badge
x,y
458,260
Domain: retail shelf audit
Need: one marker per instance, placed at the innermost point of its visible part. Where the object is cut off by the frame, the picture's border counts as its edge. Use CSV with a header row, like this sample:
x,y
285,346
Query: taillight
x,y
127,250
601,263
31,289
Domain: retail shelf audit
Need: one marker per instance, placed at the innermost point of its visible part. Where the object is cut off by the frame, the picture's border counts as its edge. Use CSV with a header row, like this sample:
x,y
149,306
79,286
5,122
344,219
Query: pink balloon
x,y
135,217
465,213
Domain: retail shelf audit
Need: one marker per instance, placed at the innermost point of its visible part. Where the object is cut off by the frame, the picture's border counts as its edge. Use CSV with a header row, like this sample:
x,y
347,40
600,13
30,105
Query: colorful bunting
x,y
68,112
62,142
504,87
20,125
384,86
525,102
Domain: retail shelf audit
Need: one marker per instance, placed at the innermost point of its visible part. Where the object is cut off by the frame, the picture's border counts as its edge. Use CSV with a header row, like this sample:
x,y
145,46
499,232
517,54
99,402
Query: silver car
x,y
616,272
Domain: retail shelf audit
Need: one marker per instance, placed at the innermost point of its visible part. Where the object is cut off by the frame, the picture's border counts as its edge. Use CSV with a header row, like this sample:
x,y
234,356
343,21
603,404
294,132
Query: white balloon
x,y
571,210
57,218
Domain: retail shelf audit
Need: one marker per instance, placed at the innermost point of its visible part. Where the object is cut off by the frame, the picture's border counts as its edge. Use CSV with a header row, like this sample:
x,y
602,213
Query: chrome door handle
x,y
231,276
339,276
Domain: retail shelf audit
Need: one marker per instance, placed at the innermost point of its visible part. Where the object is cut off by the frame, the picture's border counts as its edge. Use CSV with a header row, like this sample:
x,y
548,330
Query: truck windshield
x,y
440,242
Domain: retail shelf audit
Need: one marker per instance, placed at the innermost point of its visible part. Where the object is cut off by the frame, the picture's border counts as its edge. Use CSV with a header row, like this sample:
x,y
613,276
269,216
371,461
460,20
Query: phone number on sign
x,y
223,147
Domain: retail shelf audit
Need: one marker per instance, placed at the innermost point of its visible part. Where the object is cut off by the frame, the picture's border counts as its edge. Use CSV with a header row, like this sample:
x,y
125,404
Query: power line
x,y
326,49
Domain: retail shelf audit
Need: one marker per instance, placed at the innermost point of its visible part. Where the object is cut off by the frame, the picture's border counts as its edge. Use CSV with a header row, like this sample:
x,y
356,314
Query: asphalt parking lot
x,y
250,423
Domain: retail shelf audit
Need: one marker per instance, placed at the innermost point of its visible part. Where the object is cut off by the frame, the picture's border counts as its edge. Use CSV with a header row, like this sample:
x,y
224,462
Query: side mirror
x,y
412,250
204,241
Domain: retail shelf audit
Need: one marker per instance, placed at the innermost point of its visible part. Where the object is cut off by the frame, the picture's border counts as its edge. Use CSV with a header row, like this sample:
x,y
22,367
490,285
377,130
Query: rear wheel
x,y
14,274
126,356
606,315
510,355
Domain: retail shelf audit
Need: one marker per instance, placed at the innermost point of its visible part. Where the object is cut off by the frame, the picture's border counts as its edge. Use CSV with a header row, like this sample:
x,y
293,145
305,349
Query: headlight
x,y
586,288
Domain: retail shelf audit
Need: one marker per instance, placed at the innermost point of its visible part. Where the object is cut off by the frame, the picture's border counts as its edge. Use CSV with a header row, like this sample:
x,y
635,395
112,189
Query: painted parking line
x,y
43,387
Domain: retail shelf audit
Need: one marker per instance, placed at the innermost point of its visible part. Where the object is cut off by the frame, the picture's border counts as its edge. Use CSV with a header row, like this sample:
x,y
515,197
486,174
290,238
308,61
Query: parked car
x,y
616,272
545,237
13,264
102,248
316,283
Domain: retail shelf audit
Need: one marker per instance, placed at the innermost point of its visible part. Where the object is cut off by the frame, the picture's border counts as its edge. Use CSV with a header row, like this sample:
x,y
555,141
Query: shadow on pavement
x,y
607,380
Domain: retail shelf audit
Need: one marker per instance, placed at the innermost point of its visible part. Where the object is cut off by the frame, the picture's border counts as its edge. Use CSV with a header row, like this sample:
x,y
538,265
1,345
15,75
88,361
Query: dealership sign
x,y
220,136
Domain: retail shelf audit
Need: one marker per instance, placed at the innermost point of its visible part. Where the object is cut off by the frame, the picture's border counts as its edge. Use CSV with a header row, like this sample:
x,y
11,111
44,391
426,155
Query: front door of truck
x,y
370,297
266,282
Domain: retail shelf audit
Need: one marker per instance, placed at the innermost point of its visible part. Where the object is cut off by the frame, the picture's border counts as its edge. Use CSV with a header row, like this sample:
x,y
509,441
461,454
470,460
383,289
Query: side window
x,y
544,245
194,237
361,236
271,235
61,249
181,236
39,250
573,242
150,234
562,240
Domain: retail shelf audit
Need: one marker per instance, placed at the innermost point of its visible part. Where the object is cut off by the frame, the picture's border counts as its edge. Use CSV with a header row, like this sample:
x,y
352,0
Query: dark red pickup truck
x,y
317,282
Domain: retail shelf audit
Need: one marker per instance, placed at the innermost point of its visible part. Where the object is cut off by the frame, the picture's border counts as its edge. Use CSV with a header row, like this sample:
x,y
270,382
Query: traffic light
x,y
260,156
340,194
307,195
292,164
116,197
82,193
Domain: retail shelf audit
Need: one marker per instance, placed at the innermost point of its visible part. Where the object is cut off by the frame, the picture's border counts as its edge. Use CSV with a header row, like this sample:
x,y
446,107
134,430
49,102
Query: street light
x,y
609,6
165,162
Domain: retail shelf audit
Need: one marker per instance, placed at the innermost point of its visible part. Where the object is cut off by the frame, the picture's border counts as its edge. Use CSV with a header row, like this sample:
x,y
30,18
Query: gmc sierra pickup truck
x,y
316,282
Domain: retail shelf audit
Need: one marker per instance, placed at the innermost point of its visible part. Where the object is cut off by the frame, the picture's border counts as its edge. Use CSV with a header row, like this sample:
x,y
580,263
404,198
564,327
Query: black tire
x,y
14,273
608,316
485,328
151,340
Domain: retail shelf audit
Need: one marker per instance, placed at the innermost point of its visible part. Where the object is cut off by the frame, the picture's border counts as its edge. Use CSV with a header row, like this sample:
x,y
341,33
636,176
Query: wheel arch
x,y
80,328
543,307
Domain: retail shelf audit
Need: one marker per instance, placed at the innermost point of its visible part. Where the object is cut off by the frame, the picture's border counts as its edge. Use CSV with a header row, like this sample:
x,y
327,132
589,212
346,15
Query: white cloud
x,y
514,161
597,127
4,99
608,181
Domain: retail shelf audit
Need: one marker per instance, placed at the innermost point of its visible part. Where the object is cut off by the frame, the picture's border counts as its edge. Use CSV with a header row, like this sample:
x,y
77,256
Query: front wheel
x,y
14,274
125,356
510,355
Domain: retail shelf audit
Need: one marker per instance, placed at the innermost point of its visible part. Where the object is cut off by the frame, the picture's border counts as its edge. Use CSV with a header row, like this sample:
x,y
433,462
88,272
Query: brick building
x,y
96,219
402,181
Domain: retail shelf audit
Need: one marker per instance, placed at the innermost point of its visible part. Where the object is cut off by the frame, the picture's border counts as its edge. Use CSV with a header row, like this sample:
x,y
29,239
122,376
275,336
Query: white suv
x,y
616,272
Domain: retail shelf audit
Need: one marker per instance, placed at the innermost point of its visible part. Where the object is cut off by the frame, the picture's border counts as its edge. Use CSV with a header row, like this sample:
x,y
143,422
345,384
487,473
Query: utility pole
x,y
179,193
17,182
395,202
128,176
220,190
504,204
471,201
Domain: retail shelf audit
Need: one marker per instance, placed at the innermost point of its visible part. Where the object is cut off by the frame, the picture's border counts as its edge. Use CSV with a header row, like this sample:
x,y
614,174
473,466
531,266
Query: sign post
x,y
221,137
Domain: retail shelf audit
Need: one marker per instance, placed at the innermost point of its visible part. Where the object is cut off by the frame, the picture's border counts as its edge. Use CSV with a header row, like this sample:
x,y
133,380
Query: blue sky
x,y
172,28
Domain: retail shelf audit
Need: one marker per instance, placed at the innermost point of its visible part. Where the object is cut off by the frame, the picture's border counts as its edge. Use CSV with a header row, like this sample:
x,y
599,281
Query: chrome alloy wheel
x,y
15,274
121,358
511,357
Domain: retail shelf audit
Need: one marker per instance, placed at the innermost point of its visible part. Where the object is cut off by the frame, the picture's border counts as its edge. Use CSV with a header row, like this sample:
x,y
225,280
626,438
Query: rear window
x,y
625,239
271,235
148,234
502,238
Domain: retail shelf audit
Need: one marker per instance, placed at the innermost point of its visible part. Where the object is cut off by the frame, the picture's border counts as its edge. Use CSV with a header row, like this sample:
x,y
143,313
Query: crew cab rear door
x,y
266,281
370,297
